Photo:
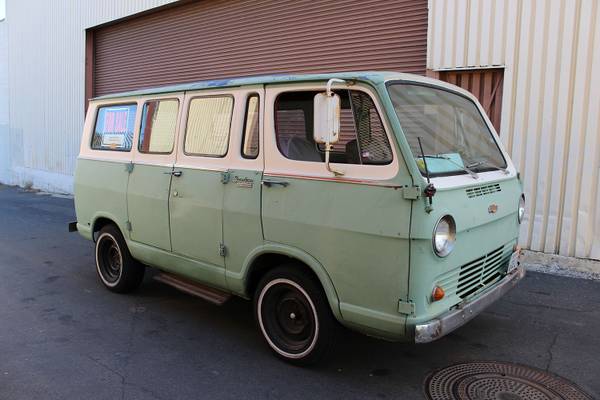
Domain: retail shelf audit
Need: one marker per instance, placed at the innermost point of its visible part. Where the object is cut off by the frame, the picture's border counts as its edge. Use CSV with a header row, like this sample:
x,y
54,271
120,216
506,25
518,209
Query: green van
x,y
380,200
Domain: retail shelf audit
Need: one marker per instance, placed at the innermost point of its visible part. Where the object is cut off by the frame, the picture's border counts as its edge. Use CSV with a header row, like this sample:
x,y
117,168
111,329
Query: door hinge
x,y
128,225
129,167
225,177
406,307
222,250
411,192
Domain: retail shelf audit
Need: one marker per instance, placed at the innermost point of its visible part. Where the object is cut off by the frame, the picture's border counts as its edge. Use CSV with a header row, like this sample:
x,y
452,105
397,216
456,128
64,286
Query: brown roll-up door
x,y
223,38
485,84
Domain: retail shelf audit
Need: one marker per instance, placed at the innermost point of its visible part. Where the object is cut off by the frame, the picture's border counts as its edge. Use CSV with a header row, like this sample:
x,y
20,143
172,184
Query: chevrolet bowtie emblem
x,y
493,208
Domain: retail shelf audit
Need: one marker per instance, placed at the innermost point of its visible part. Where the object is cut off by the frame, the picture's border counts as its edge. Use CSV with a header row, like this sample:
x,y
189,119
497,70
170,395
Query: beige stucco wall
x,y
550,50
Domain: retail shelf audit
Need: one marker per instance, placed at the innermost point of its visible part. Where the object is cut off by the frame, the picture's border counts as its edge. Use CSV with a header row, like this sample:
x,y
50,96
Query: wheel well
x,y
266,262
101,223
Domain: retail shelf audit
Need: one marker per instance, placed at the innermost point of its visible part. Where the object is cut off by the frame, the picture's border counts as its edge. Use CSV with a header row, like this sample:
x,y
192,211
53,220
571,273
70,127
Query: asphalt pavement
x,y
63,336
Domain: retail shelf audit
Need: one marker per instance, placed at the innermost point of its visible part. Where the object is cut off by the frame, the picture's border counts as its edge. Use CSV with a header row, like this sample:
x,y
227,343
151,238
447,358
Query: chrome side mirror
x,y
327,109
327,118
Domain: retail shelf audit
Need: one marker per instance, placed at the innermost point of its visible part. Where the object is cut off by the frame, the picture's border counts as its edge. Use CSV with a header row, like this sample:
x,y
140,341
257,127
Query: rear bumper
x,y
449,321
73,226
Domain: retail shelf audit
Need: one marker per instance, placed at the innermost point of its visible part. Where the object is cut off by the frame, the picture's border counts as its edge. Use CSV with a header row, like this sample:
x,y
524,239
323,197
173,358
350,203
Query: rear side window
x,y
251,127
159,121
362,137
114,127
208,126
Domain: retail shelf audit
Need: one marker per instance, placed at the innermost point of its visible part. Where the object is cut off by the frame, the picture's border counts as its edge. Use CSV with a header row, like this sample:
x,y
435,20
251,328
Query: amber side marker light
x,y
437,294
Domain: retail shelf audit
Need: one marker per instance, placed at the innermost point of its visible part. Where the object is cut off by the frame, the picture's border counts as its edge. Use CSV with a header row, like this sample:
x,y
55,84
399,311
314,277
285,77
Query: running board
x,y
215,296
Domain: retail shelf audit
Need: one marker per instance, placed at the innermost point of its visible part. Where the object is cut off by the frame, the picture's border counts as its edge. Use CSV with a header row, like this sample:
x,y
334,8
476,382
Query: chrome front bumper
x,y
449,321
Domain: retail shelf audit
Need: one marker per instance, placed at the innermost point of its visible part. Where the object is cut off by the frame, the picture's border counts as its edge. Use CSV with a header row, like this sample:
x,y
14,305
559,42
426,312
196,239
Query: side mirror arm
x,y
327,165
330,83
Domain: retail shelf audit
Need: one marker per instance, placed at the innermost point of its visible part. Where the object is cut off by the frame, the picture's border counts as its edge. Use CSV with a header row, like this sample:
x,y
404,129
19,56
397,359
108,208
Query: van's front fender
x,y
237,280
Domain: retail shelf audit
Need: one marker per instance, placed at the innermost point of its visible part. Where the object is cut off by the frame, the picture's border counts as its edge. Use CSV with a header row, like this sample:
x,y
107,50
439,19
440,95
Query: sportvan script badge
x,y
243,182
493,208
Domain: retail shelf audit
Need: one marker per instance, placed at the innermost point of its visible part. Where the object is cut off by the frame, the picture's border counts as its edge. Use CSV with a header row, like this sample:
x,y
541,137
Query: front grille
x,y
483,271
483,190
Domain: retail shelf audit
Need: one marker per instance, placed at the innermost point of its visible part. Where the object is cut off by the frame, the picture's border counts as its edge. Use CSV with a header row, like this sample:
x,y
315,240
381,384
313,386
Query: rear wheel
x,y
294,316
117,270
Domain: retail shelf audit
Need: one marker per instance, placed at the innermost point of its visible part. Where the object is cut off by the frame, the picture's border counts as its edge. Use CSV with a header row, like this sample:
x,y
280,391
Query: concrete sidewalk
x,y
62,335
563,266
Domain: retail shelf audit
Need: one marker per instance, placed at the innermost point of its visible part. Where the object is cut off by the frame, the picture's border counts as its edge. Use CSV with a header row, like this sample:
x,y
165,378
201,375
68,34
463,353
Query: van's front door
x,y
197,187
150,172
355,225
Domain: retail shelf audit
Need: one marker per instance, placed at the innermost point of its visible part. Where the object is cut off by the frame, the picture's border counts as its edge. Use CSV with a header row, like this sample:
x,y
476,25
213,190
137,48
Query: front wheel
x,y
117,269
294,316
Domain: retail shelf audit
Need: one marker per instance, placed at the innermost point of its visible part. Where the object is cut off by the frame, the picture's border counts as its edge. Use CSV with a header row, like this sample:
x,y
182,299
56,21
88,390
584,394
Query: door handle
x,y
269,183
174,173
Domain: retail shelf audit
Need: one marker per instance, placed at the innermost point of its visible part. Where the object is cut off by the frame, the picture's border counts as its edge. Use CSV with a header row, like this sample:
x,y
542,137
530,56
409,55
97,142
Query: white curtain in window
x,y
208,126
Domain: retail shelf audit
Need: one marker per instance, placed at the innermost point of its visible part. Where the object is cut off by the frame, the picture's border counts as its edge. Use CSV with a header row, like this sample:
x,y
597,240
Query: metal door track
x,y
215,296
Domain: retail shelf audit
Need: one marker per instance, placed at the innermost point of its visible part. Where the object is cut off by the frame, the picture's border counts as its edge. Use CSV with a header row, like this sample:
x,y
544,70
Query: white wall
x,y
44,69
551,104
4,145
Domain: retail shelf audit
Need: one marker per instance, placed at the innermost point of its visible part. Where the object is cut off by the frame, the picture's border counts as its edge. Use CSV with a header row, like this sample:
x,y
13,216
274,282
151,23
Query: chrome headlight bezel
x,y
444,236
521,208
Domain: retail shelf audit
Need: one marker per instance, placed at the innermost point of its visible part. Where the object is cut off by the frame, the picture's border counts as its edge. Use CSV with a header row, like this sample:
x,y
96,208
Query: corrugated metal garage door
x,y
222,38
486,84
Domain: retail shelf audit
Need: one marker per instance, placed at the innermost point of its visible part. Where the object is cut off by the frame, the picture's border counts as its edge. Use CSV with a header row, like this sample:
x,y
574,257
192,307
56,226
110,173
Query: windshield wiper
x,y
466,169
488,163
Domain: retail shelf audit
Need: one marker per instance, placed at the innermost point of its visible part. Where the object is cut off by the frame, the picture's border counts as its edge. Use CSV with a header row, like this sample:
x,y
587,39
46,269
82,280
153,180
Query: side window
x,y
362,137
293,126
208,126
159,121
250,139
114,127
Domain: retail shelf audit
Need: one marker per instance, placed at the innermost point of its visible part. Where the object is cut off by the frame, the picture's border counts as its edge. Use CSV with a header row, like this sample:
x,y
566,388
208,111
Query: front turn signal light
x,y
437,294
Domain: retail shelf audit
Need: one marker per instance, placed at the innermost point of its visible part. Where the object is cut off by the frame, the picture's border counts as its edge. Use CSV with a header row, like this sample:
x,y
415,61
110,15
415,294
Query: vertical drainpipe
x,y
89,68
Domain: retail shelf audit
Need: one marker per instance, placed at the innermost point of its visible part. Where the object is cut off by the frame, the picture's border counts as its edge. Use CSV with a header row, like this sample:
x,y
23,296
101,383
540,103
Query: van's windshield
x,y
454,136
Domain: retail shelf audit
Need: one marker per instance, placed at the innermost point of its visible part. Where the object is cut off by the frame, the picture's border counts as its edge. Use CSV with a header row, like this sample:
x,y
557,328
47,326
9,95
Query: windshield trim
x,y
483,168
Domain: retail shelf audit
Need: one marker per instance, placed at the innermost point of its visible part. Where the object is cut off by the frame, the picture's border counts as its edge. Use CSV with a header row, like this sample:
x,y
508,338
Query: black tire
x,y
117,270
293,315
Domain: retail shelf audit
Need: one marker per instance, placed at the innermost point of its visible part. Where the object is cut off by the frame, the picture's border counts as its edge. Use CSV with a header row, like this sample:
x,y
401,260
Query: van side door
x,y
242,228
150,172
197,188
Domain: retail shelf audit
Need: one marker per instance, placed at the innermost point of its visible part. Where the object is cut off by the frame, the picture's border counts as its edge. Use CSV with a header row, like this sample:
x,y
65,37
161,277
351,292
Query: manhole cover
x,y
491,380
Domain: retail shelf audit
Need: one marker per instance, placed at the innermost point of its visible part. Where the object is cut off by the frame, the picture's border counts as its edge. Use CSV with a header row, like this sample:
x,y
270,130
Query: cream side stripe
x,y
103,159
333,179
197,168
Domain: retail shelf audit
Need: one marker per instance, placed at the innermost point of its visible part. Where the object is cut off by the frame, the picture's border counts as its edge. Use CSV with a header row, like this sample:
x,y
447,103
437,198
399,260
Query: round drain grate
x,y
491,380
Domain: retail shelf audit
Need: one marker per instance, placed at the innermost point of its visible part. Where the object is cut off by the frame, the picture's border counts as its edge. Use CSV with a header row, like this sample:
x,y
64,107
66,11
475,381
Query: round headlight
x,y
444,236
521,211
